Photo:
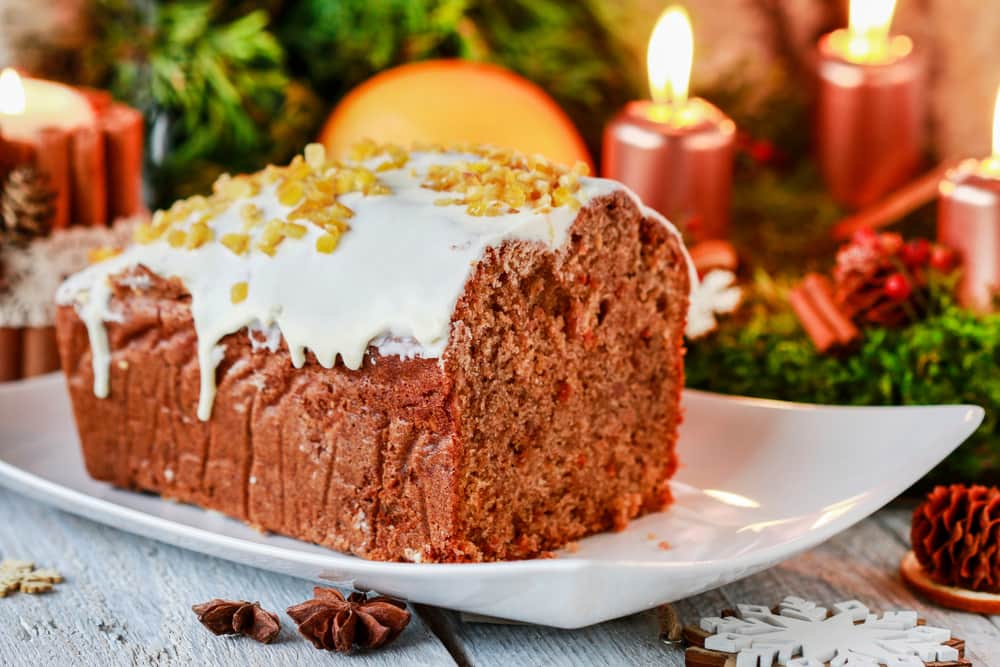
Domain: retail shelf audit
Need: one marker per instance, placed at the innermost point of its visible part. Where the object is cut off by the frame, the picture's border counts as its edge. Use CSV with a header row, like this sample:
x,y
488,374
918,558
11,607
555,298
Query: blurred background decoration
x,y
232,86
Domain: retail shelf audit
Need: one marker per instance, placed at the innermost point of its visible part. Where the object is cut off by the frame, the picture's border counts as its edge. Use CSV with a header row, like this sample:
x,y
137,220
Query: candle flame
x,y
990,167
996,127
11,92
868,25
669,57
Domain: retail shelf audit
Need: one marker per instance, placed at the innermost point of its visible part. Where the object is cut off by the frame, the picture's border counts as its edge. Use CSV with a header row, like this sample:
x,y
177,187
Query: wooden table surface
x,y
126,601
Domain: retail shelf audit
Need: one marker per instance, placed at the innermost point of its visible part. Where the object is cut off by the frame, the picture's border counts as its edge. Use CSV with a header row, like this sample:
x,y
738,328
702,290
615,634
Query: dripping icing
x,y
374,288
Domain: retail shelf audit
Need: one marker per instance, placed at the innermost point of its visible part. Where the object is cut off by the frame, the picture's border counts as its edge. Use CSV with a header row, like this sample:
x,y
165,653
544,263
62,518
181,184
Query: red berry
x,y
865,236
942,258
762,151
897,287
916,252
891,242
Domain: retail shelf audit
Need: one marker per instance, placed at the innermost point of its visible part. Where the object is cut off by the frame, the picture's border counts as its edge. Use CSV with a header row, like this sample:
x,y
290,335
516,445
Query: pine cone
x,y
881,280
956,537
26,205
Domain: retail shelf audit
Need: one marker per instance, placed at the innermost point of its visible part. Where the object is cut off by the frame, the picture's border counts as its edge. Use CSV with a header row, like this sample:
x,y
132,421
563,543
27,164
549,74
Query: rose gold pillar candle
x,y
969,222
675,153
870,107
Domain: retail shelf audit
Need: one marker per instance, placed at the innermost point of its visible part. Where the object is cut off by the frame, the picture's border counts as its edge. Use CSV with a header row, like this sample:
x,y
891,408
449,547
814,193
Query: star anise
x,y
238,617
334,623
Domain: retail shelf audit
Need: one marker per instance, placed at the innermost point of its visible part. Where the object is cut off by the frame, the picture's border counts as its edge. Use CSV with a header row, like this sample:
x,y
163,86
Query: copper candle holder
x,y
684,171
969,223
870,119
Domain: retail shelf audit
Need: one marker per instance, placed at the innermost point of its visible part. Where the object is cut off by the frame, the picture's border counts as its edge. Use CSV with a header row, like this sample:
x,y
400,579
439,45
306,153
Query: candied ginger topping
x,y
338,254
309,188
502,181
490,182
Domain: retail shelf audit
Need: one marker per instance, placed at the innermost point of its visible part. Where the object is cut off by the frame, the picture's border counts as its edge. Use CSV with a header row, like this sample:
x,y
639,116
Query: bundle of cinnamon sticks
x,y
95,172
828,327
95,175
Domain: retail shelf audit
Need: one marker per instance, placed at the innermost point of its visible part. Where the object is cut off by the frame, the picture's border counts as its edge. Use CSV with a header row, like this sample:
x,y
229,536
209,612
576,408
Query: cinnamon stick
x,y
88,177
13,153
907,199
100,100
819,331
39,354
819,315
10,353
123,136
52,160
821,291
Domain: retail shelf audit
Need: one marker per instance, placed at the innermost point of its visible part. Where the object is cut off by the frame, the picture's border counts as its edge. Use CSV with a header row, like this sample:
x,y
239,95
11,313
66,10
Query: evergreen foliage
x,y
950,357
228,87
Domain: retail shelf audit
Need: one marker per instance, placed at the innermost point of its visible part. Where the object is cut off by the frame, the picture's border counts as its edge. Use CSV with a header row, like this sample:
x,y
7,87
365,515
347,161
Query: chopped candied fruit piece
x,y
327,243
238,244
147,233
293,230
504,181
238,187
198,235
290,192
251,214
364,150
102,254
271,237
176,238
315,155
238,292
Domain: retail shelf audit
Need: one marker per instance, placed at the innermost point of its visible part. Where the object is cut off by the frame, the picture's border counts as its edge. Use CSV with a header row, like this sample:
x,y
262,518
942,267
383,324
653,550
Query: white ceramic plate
x,y
759,482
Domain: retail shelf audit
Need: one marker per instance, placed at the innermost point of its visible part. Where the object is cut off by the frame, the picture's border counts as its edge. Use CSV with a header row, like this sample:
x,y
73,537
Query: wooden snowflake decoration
x,y
800,633
21,575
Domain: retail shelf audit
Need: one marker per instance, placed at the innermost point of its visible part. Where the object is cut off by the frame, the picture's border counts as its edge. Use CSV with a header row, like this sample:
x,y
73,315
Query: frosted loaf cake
x,y
425,356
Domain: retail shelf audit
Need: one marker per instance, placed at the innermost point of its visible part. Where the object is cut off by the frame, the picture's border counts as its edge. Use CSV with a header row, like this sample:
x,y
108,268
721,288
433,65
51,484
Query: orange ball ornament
x,y
450,102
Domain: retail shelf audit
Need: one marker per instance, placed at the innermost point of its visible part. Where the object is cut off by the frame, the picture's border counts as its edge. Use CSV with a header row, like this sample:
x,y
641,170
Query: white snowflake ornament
x,y
804,634
714,295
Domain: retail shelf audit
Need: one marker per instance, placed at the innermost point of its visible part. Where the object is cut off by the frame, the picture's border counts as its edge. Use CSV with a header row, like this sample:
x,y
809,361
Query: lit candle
x,y
29,105
870,106
37,119
675,152
969,222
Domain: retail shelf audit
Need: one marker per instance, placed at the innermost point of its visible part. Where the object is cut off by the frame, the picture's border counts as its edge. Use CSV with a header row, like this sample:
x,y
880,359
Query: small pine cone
x,y
956,537
860,277
26,205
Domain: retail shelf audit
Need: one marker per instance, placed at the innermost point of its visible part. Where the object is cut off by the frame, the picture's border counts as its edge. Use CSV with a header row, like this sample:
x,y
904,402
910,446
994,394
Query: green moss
x,y
952,356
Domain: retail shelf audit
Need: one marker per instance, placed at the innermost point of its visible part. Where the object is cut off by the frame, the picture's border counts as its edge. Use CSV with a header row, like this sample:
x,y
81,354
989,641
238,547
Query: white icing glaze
x,y
394,279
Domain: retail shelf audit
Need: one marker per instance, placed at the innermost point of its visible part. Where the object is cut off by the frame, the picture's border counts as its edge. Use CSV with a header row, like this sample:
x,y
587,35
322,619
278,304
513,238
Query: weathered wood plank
x,y
860,563
126,601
